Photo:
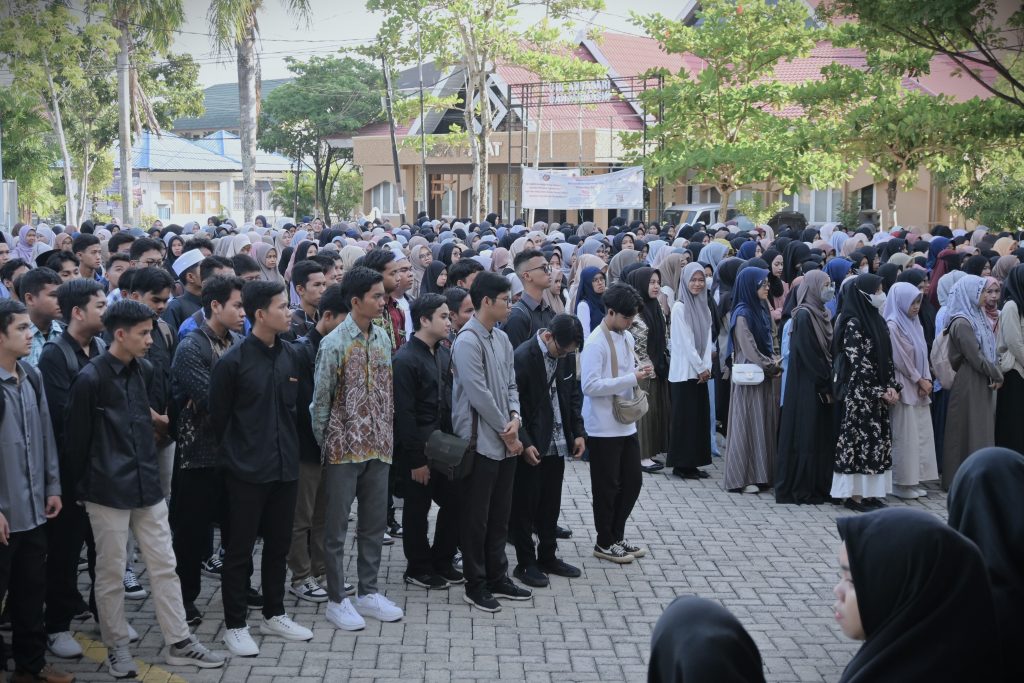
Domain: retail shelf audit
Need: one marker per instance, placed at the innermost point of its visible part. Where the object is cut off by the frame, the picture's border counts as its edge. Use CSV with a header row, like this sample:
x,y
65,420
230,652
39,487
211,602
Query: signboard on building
x,y
545,189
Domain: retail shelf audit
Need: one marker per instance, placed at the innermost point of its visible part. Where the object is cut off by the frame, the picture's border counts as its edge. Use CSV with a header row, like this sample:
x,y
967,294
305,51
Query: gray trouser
x,y
367,482
306,557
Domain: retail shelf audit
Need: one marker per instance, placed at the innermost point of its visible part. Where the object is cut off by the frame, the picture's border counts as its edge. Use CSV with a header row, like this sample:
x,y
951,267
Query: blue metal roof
x,y
169,152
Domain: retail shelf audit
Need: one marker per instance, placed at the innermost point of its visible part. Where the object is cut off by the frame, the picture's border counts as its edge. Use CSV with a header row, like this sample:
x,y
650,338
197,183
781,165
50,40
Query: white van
x,y
678,214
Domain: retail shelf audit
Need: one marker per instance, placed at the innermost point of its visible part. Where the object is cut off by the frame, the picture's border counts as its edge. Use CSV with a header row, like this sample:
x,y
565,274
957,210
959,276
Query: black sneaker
x,y
531,575
856,506
394,530
560,568
452,575
253,598
633,549
426,580
212,567
613,553
193,617
482,600
874,503
562,533
505,589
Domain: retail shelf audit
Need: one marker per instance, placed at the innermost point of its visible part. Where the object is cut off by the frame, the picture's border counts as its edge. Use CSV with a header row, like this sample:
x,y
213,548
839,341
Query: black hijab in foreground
x,y
985,505
699,641
657,343
925,601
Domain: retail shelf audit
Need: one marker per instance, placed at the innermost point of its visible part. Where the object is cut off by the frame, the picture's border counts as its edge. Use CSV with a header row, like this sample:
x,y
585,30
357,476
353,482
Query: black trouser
x,y
65,534
23,579
486,502
422,557
536,501
265,510
615,482
197,502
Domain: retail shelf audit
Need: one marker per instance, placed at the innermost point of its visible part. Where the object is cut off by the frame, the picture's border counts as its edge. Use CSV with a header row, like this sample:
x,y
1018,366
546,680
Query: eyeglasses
x,y
546,268
504,299
150,262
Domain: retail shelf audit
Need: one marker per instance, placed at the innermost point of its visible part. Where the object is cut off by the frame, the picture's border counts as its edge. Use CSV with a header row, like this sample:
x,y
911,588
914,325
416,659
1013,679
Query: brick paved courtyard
x,y
773,566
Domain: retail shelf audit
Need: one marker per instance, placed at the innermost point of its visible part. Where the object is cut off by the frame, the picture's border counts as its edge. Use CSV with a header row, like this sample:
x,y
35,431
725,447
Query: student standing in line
x,y
30,495
309,282
38,290
352,412
252,403
112,451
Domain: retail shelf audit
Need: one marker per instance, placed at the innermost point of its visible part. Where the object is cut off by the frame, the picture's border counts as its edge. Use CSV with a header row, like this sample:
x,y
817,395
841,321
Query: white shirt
x,y
599,386
684,361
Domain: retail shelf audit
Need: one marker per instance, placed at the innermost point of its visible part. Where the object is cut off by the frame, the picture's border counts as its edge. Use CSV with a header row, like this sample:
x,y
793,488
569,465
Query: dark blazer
x,y
535,398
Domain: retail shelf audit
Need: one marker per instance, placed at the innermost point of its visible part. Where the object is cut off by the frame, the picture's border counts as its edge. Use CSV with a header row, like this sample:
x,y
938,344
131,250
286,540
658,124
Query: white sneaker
x,y
133,590
378,607
283,626
751,488
309,590
240,643
63,645
133,635
388,540
921,493
344,616
904,492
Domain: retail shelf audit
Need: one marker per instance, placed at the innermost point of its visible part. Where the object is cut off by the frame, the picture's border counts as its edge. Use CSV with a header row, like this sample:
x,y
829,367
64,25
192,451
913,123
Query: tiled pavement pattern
x,y
773,566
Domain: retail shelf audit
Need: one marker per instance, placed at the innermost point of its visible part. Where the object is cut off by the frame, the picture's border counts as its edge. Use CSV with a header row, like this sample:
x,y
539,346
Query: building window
x,y
867,197
383,197
199,197
263,190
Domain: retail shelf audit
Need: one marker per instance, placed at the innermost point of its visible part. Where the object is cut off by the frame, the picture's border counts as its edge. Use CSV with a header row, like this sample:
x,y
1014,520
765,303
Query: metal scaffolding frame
x,y
522,98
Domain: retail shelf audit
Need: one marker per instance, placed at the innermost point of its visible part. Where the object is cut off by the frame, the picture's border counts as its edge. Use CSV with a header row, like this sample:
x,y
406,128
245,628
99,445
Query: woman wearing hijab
x,y
554,295
688,375
749,250
1010,348
669,266
25,248
1003,266
864,387
913,443
972,353
420,257
712,254
777,287
452,252
753,409
918,594
435,277
803,471
501,260
265,256
984,506
583,262
794,254
650,334
699,641
589,308
977,265
620,261
838,269
919,279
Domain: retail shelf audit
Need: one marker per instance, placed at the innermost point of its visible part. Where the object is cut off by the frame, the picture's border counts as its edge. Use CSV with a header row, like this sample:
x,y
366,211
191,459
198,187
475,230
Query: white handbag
x,y
747,374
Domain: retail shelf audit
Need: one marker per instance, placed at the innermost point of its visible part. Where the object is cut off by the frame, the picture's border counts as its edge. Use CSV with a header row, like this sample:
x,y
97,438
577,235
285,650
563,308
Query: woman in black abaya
x,y
918,594
699,641
985,506
803,467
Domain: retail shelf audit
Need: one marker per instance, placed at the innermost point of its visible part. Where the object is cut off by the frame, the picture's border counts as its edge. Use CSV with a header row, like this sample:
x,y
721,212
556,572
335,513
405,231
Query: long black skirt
x,y
1009,401
690,442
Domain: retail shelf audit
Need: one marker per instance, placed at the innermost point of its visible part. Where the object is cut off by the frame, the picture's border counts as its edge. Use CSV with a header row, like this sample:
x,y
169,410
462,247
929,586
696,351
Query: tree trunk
x,y
83,187
124,107
474,150
65,155
248,107
485,143
723,205
891,191
295,203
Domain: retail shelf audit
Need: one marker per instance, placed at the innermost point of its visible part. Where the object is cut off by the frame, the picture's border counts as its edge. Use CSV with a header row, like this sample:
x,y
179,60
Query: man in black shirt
x,y
530,314
253,404
309,281
422,368
111,452
82,303
552,429
186,267
306,556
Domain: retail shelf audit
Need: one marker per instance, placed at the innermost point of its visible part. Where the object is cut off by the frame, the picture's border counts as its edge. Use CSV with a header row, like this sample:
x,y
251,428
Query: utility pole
x,y
3,192
394,140
423,133
123,125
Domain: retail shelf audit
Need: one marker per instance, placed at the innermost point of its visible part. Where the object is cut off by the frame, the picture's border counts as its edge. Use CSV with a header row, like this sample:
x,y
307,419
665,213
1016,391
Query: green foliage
x,y
905,35
329,96
282,197
988,187
348,193
848,214
28,152
231,21
757,210
725,125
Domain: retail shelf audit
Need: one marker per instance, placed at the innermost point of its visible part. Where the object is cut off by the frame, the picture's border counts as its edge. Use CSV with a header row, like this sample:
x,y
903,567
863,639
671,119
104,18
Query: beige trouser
x,y
165,458
306,556
152,532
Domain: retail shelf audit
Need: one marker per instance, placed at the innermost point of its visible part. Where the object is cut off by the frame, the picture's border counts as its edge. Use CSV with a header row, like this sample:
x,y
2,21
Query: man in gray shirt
x,y
485,400
29,494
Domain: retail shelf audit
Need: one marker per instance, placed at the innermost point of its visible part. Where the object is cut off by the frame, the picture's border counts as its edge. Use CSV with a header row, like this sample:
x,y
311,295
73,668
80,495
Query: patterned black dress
x,y
865,435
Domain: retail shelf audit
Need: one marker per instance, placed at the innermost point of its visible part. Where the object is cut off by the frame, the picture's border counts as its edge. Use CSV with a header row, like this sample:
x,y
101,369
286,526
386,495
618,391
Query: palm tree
x,y
152,23
235,25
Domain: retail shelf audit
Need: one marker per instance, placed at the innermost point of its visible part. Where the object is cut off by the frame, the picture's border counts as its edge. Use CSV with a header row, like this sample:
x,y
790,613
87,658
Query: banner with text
x,y
549,189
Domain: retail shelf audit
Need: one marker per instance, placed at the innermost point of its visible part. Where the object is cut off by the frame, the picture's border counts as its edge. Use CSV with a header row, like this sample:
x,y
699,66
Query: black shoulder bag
x,y
447,453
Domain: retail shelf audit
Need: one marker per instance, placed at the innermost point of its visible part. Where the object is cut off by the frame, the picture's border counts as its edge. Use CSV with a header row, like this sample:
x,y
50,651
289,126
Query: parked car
x,y
678,214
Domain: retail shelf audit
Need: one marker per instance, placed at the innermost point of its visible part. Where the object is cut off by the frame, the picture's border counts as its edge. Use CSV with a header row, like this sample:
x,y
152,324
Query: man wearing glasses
x,y
531,313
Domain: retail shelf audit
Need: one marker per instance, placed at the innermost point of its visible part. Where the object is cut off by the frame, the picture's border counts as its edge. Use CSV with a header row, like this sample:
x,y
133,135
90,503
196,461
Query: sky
x,y
336,24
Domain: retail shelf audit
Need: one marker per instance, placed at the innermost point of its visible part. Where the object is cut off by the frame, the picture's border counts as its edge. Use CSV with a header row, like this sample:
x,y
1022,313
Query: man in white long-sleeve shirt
x,y
615,474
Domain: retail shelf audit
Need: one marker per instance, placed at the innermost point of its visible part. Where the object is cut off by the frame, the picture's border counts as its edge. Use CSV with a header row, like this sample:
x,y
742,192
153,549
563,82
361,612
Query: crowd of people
x,y
260,380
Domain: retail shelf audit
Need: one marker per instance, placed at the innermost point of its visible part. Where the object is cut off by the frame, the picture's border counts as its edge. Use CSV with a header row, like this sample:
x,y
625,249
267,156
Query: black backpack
x,y
61,342
37,385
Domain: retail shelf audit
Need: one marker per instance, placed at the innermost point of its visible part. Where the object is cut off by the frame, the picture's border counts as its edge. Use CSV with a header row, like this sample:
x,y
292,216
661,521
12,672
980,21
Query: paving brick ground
x,y
773,566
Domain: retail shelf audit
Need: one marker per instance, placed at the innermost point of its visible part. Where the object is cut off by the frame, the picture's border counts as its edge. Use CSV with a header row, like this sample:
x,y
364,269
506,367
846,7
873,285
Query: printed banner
x,y
550,189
